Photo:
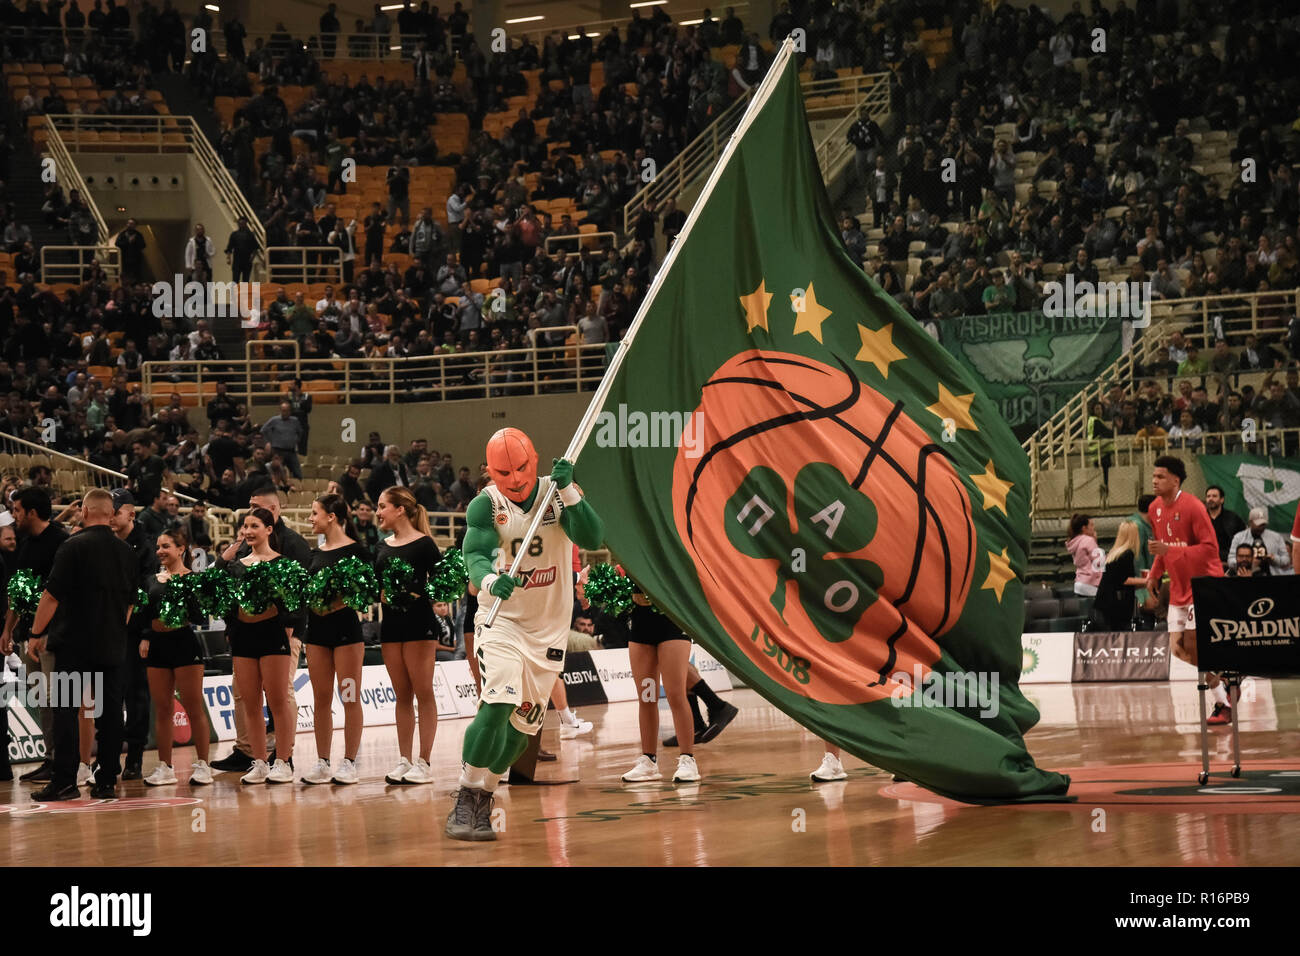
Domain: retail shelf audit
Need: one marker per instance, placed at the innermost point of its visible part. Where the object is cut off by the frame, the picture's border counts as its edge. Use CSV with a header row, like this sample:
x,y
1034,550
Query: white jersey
x,y
541,609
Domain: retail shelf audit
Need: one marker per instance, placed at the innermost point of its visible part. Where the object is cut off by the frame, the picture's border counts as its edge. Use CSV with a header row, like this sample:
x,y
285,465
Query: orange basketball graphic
x,y
831,535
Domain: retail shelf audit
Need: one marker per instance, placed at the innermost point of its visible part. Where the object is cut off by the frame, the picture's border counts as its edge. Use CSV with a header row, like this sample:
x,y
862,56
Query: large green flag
x,y
803,480
1249,481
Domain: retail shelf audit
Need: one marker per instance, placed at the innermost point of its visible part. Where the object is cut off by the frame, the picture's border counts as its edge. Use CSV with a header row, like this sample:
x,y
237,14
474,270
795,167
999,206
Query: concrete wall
x,y
461,427
182,196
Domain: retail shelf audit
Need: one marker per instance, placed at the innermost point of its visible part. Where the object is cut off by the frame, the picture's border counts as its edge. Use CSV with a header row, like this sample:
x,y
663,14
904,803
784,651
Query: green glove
x,y
503,587
561,472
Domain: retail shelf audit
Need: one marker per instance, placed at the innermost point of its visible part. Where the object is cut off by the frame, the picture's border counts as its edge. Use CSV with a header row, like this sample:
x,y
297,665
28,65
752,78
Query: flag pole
x,y
597,403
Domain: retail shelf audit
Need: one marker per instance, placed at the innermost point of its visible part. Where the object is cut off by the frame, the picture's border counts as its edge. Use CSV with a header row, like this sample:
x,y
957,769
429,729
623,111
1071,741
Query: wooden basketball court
x,y
1132,751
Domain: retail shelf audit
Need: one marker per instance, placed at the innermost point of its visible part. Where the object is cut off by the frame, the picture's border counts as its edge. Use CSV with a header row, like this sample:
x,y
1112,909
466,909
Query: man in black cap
x,y
135,677
84,612
40,541
292,545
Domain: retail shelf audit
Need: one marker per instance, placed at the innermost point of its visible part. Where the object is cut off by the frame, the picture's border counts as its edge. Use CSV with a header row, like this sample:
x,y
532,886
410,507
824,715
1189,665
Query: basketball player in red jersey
x,y
1184,545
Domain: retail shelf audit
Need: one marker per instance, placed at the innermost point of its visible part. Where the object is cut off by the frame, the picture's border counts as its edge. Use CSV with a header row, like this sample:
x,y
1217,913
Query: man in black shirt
x,y
40,541
241,248
1227,524
222,406
135,677
293,546
84,612
145,472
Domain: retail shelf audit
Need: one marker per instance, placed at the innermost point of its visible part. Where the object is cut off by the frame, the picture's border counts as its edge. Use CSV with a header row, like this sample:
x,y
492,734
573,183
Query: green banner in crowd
x,y
1249,481
1031,364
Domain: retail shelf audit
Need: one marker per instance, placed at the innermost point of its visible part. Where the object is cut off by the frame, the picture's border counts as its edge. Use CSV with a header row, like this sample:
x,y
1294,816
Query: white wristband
x,y
570,495
485,586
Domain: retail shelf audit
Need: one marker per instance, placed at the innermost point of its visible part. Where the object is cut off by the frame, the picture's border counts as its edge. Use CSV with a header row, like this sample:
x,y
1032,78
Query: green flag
x,y
1249,481
803,479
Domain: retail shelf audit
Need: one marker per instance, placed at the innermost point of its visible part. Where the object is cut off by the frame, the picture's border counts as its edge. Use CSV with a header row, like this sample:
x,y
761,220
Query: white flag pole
x,y
544,485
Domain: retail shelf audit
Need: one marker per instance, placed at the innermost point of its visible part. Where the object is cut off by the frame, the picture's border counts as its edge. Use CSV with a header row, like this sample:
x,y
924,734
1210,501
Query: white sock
x,y
472,778
568,716
492,781
1220,694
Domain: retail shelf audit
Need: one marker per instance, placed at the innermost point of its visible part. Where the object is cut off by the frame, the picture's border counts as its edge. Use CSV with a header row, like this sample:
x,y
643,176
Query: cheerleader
x,y
259,647
409,649
658,650
334,647
174,659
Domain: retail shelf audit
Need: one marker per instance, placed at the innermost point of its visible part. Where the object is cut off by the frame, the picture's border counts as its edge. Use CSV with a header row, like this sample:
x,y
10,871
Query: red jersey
x,y
1186,525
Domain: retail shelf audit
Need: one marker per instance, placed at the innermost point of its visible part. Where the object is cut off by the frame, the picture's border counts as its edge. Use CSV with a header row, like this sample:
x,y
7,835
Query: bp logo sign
x,y
849,553
1028,661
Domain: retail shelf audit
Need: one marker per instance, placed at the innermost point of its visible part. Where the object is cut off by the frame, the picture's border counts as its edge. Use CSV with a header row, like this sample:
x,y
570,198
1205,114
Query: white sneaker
x,y
645,769
347,772
831,769
320,773
280,773
398,774
85,776
421,772
162,776
686,771
261,770
576,729
200,773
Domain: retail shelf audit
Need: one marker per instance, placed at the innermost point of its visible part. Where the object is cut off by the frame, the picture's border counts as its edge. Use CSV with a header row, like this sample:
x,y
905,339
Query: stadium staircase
x,y
184,100
26,190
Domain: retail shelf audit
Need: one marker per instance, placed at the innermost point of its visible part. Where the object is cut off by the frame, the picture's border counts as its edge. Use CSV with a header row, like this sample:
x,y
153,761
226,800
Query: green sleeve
x,y
583,526
481,539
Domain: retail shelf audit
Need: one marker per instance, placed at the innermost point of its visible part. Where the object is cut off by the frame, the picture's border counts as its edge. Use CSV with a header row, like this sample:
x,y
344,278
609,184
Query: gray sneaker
x,y
483,817
460,822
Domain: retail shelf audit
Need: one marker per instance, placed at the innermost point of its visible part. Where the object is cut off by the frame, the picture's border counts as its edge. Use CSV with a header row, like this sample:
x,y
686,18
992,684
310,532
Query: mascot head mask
x,y
512,463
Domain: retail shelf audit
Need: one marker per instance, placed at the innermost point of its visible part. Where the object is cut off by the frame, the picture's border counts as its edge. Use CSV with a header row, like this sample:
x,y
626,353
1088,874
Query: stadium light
x,y
525,19
213,7
648,3
691,23
392,6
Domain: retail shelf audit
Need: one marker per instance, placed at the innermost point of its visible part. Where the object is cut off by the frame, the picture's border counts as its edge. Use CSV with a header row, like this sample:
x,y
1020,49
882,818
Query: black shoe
x,y
134,769
460,822
699,738
42,774
482,816
235,762
51,794
545,755
104,791
718,723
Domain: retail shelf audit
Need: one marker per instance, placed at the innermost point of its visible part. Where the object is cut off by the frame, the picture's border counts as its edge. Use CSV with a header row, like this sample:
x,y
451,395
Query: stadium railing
x,y
1233,316
823,99
1074,482
447,377
289,265
69,176
66,265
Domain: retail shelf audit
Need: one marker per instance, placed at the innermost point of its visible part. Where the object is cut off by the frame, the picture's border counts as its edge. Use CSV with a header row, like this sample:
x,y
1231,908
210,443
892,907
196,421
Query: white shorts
x,y
514,674
1182,617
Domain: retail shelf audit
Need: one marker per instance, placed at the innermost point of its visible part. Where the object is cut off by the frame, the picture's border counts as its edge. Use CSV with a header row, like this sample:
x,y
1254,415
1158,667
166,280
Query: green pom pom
x,y
351,580
141,601
609,590
25,589
449,578
397,580
214,592
174,603
282,580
